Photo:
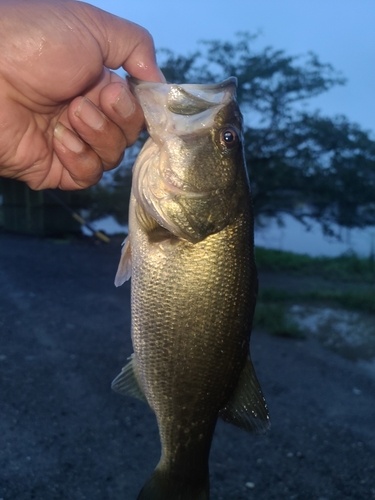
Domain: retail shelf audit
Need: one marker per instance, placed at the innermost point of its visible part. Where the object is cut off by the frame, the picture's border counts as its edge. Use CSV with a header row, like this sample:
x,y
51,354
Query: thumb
x,y
122,43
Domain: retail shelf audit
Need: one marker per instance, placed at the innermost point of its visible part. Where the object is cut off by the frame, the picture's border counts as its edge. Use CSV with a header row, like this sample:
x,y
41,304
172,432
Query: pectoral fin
x,y
124,270
247,407
127,382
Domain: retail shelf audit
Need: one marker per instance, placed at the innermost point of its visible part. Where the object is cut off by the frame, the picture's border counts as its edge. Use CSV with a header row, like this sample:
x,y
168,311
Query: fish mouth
x,y
181,109
201,90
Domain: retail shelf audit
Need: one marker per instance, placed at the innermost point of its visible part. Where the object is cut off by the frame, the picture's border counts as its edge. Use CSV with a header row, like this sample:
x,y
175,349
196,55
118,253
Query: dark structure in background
x,y
25,211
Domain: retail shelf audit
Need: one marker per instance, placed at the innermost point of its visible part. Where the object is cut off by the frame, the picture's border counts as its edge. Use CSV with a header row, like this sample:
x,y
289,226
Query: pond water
x,y
292,236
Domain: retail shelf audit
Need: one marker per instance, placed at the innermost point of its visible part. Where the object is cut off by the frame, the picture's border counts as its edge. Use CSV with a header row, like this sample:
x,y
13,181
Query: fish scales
x,y
190,359
193,294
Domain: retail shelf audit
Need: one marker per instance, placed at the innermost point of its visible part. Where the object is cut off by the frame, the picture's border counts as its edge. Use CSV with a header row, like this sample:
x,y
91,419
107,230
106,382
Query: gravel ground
x,y
64,435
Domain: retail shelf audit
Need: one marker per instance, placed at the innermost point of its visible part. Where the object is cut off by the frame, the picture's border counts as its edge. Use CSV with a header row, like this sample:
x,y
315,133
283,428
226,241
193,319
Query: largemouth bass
x,y
190,254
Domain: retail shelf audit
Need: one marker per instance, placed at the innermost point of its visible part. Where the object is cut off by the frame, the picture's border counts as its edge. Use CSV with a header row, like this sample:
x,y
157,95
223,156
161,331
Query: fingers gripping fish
x,y
190,254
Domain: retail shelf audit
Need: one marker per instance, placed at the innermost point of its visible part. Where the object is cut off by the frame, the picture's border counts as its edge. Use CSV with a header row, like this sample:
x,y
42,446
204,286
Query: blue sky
x,y
340,32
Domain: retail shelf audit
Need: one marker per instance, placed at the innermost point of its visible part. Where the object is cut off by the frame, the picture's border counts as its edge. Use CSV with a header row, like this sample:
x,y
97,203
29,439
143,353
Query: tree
x,y
300,162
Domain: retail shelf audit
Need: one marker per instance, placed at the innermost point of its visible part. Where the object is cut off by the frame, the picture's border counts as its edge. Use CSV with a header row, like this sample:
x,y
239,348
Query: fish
x,y
190,255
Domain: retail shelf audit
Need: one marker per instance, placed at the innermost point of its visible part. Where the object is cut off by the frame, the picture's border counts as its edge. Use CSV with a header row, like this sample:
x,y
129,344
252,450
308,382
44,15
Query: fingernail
x,y
90,114
68,138
124,105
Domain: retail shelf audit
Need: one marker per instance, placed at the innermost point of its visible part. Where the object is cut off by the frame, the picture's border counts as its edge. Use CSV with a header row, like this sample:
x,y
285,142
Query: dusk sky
x,y
340,32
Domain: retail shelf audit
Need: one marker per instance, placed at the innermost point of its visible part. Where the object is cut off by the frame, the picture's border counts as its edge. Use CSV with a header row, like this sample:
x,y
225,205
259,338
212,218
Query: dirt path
x,y
64,335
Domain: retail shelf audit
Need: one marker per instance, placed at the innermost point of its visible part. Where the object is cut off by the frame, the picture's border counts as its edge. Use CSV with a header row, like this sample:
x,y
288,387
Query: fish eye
x,y
229,138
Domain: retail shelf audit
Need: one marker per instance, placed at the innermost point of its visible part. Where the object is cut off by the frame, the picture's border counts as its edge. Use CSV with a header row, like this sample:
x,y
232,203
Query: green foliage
x,y
346,267
275,295
351,278
300,163
356,300
359,300
277,260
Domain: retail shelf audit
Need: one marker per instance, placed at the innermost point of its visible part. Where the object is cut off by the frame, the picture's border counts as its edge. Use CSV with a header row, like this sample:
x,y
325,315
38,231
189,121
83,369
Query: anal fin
x,y
247,407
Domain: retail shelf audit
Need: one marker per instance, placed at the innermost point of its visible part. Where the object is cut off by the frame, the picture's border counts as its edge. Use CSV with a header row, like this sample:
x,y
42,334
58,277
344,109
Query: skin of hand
x,y
64,116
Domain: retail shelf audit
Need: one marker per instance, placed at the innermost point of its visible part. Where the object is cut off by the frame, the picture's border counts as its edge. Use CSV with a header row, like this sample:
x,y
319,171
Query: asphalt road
x,y
64,335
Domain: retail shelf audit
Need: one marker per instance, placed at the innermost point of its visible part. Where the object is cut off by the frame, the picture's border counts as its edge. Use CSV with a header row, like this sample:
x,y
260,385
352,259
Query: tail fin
x,y
161,487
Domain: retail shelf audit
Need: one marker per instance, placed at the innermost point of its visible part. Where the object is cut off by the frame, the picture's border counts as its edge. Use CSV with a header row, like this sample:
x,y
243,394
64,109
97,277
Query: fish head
x,y
191,176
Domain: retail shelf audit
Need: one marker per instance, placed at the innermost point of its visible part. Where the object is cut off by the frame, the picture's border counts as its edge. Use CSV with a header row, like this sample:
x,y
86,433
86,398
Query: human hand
x,y
64,116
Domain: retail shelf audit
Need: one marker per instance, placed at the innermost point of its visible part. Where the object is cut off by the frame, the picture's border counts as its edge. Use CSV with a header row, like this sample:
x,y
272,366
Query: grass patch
x,y
276,295
274,319
347,267
272,310
277,260
358,300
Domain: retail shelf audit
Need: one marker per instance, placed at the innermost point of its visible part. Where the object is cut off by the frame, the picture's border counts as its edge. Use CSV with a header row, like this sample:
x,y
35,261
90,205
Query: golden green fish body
x,y
192,307
193,289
